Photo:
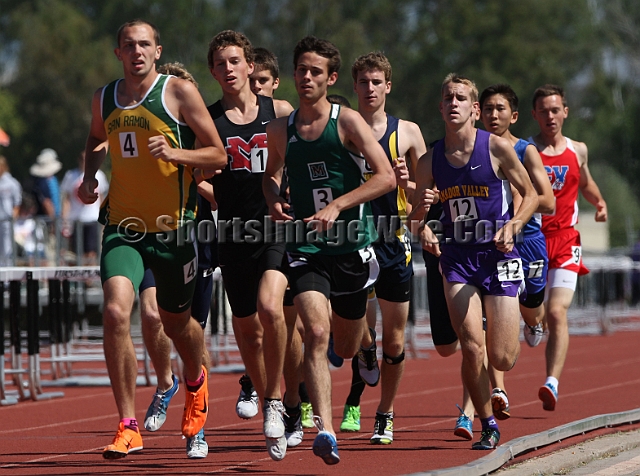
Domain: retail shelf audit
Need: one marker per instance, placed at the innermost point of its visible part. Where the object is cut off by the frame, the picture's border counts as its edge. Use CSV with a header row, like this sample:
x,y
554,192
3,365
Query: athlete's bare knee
x,y
316,335
115,317
393,348
505,360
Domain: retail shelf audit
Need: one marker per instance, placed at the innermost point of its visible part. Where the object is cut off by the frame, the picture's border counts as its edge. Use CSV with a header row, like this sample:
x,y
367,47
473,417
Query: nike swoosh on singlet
x,y
473,168
265,122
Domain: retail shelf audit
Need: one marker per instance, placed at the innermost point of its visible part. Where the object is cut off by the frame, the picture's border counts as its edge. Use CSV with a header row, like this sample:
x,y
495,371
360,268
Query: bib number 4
x,y
128,144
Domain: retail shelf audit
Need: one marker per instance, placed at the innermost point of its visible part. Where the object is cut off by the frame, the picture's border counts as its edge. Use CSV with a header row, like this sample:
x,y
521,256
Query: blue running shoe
x,y
157,412
325,444
334,358
464,426
549,396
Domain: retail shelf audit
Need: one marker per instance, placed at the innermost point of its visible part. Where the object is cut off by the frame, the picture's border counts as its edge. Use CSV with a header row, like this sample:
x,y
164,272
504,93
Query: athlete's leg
x,y
394,320
157,343
558,343
250,345
313,308
465,309
119,352
532,316
270,295
188,338
348,334
292,371
503,328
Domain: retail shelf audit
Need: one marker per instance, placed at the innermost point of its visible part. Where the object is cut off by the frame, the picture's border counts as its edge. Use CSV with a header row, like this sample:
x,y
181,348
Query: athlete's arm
x,y
282,107
540,179
588,186
426,194
272,178
411,141
206,190
503,155
95,152
356,133
183,98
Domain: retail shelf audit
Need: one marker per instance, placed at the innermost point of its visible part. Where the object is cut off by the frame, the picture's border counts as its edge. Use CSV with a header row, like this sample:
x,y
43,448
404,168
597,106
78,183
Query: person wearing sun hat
x,y
46,188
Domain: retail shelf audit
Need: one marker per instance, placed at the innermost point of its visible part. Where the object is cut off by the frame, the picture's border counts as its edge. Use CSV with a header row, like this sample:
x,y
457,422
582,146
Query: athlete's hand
x,y
87,190
402,172
324,219
429,241
428,198
278,210
601,212
504,238
160,149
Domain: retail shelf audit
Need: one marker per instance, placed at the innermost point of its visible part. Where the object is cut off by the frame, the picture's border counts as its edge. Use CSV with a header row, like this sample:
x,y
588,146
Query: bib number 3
x,y
322,197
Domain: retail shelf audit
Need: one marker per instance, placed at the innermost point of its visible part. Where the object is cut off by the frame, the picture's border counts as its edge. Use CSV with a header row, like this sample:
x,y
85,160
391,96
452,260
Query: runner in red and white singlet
x,y
566,164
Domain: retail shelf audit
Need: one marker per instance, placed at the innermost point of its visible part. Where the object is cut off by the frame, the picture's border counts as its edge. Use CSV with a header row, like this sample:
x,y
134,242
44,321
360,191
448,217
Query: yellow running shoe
x,y
196,408
126,441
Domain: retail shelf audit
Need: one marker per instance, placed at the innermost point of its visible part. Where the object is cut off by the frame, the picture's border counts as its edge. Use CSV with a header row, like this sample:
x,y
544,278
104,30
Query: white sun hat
x,y
47,164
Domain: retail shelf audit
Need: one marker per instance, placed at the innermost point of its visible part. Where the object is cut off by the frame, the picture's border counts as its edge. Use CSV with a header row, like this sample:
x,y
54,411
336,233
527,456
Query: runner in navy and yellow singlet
x,y
320,144
149,123
403,144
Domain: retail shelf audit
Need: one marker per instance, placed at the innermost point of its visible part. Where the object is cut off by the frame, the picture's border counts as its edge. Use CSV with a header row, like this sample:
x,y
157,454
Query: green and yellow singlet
x,y
142,187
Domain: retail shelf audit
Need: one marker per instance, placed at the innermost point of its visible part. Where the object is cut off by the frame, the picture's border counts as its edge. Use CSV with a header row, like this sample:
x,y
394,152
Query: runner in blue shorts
x,y
499,109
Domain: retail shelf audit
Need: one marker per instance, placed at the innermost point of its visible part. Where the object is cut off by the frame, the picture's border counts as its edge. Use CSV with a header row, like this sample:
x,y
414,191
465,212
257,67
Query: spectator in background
x,y
10,200
46,189
27,236
76,214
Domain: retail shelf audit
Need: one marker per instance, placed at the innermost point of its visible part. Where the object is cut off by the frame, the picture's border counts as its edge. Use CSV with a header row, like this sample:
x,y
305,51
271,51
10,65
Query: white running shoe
x,y
247,404
273,427
533,334
293,431
197,447
273,411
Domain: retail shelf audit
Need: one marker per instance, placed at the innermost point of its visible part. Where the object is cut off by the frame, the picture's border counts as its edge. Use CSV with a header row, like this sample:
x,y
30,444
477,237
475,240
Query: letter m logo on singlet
x,y
250,156
557,175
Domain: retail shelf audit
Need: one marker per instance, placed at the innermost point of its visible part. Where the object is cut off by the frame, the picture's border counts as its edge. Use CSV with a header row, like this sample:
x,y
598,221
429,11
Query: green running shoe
x,y
350,418
306,411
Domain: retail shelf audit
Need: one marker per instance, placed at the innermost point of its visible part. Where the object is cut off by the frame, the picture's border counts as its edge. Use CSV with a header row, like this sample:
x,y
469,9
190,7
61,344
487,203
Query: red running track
x,y
66,436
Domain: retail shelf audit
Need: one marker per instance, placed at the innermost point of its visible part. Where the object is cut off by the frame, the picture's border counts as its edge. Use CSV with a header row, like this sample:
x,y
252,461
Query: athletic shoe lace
x,y
369,358
158,403
272,412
